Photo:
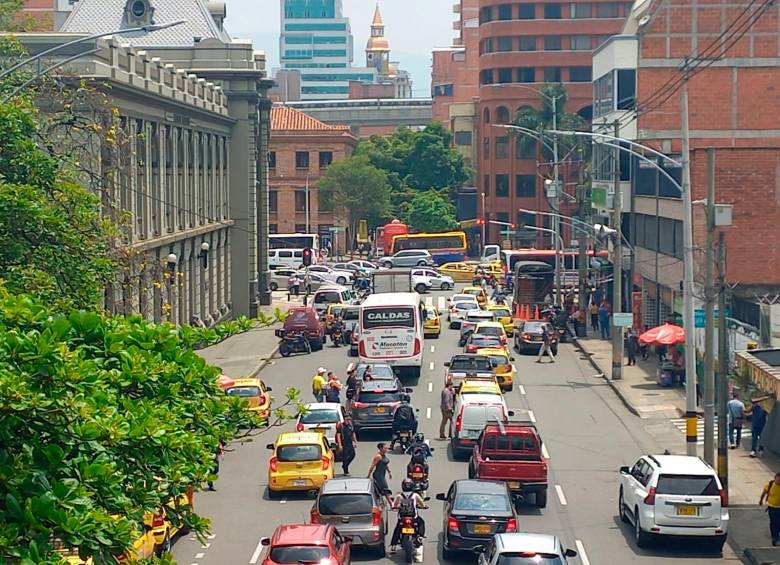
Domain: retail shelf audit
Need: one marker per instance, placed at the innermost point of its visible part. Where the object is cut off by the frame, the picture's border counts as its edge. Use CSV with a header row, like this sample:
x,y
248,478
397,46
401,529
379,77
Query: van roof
x,y
392,299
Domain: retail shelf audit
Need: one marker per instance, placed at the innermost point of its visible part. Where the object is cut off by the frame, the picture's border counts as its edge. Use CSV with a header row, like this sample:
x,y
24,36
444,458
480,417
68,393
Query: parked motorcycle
x,y
294,343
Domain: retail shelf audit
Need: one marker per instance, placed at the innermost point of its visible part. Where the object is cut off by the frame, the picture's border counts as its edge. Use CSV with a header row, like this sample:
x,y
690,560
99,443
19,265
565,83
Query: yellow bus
x,y
446,247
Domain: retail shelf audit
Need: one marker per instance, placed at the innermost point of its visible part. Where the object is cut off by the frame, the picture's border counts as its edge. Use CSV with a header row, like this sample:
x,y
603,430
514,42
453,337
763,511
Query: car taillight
x,y
452,524
459,422
511,525
724,498
362,347
299,427
261,400
417,346
325,463
359,405
315,516
273,464
158,520
376,516
650,498
503,339
471,348
525,335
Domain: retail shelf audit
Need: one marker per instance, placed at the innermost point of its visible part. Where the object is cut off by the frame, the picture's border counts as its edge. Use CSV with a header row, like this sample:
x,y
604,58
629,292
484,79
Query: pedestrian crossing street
x,y
679,423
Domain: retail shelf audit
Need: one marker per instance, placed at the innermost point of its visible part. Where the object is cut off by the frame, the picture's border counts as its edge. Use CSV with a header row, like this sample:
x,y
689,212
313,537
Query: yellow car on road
x,y
502,314
477,291
301,461
479,385
162,528
460,272
502,366
432,325
256,394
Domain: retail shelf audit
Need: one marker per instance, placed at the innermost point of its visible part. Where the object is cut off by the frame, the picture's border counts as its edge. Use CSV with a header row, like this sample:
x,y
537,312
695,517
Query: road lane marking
x,y
531,416
428,413
430,386
199,555
442,303
581,552
205,546
433,349
561,496
514,368
256,554
545,453
283,501
211,536
522,389
429,300
430,367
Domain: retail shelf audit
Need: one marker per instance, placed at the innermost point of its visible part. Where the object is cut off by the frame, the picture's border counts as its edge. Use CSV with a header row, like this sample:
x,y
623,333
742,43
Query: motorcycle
x,y
337,336
294,343
402,438
410,537
418,473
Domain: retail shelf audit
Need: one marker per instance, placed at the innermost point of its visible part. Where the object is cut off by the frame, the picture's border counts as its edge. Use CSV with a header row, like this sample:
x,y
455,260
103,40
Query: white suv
x,y
673,495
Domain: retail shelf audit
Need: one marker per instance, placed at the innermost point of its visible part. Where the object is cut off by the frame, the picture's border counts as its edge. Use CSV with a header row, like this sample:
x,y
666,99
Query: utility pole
x,y
617,269
556,226
723,368
688,319
308,213
582,240
709,328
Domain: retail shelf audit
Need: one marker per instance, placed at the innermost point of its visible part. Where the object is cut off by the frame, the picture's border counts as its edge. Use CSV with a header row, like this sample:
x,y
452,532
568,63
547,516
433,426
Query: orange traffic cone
x,y
536,313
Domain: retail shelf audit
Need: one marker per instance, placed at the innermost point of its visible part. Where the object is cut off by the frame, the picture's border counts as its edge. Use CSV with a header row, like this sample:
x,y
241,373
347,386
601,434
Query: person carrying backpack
x,y
407,503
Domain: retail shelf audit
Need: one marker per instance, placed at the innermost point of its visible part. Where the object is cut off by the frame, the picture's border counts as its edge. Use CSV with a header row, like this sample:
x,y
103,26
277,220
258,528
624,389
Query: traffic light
x,y
512,226
480,222
307,256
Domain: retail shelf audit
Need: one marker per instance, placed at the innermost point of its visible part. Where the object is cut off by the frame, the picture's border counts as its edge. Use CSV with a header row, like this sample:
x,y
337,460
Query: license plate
x,y
379,410
299,483
482,529
687,510
417,475
513,484
536,339
407,530
320,430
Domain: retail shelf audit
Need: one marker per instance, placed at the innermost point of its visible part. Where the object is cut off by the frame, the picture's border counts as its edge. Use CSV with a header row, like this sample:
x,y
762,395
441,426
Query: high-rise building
x,y
316,38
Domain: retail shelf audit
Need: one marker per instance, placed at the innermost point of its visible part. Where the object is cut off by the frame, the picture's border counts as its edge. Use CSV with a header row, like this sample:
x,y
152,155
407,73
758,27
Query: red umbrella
x,y
225,382
667,334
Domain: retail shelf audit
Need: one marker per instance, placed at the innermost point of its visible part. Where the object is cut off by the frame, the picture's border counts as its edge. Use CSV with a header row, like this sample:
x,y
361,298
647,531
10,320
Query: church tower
x,y
378,48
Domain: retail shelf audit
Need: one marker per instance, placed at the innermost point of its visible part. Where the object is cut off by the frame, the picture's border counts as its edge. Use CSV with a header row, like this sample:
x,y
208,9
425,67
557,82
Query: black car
x,y
379,371
529,339
474,511
374,404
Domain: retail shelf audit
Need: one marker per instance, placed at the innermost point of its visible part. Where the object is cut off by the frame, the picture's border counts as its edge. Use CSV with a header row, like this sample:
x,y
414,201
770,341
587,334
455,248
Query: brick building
x,y
301,149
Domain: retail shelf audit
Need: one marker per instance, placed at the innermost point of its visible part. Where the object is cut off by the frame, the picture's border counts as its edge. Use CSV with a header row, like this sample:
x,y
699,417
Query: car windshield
x,y
299,554
525,559
691,485
292,453
501,313
498,360
347,504
330,297
351,314
482,502
482,414
466,305
470,364
491,331
320,416
336,311
484,340
532,327
378,397
473,291
463,298
479,316
244,391
377,371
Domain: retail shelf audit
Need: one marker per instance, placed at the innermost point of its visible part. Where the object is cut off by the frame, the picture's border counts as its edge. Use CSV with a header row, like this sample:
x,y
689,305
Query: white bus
x,y
293,241
391,331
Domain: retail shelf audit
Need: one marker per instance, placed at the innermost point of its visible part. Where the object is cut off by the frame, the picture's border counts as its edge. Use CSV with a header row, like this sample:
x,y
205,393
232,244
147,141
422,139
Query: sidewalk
x,y
749,525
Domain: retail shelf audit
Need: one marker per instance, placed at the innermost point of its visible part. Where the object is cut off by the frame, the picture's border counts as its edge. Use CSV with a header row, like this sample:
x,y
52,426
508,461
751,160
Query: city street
x,y
588,434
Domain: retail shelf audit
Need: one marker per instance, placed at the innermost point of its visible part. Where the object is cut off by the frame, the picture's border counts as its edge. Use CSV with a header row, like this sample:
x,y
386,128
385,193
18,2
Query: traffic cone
x,y
536,313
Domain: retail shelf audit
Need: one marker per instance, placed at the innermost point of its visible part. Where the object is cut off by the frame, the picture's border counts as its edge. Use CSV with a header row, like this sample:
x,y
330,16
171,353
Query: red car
x,y
307,543
304,320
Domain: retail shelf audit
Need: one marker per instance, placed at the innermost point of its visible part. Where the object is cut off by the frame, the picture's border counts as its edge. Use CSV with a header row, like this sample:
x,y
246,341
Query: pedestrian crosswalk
x,y
441,302
679,423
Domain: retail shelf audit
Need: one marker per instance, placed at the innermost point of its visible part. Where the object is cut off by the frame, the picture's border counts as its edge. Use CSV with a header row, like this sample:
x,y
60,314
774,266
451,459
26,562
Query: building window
x,y
272,160
486,185
526,74
601,40
486,148
502,185
502,147
527,11
325,202
525,186
486,14
273,201
273,228
505,43
502,115
504,75
602,95
552,74
580,74
526,149
326,158
526,219
301,159
442,90
300,228
505,11
527,43
462,138
581,11
626,89
486,76
607,10
486,46
552,11
552,42
581,43
300,200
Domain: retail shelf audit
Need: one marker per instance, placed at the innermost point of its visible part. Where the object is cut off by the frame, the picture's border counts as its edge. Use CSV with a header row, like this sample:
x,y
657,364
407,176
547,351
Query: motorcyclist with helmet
x,y
408,503
404,420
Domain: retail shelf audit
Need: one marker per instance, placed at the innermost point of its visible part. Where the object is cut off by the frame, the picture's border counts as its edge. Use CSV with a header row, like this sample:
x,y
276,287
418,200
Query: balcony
x,y
456,8
456,25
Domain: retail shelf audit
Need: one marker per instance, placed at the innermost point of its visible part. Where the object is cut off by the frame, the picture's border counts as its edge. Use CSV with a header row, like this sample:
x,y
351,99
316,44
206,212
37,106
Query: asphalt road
x,y
587,432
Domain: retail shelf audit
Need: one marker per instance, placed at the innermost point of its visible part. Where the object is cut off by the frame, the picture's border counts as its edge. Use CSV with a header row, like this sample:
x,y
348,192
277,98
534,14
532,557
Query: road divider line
x,y
531,416
256,554
199,555
521,388
561,497
433,349
428,413
211,536
581,552
283,501
430,386
205,546
429,300
430,367
442,303
514,368
545,453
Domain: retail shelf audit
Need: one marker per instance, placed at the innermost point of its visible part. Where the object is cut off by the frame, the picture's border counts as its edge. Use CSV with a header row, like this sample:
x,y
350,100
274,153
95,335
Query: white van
x,y
391,330
490,253
285,259
332,294
472,412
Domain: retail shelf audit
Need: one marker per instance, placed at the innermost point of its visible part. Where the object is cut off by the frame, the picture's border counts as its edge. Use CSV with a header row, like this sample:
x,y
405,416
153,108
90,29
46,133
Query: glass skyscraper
x,y
317,40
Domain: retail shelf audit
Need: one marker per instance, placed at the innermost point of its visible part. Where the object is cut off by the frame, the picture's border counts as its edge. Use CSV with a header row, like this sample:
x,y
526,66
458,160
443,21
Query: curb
x,y
263,362
614,388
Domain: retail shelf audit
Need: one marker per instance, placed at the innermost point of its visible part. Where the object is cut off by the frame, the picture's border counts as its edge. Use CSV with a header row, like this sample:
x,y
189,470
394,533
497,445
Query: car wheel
x,y
622,508
447,553
445,286
641,537
316,344
273,286
272,494
420,288
386,264
341,280
541,499
380,550
718,543
165,546
422,263
510,387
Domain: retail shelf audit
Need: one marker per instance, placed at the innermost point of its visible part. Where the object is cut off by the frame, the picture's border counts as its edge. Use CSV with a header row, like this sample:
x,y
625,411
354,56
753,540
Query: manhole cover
x,y
651,394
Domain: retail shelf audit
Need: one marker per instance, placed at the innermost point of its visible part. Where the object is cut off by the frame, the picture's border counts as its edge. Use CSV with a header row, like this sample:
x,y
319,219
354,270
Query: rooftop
x,y
301,534
682,464
538,543
346,484
290,119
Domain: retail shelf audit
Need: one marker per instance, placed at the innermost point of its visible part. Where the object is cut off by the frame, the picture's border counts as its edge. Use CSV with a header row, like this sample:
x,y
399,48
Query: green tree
x,y
358,187
429,211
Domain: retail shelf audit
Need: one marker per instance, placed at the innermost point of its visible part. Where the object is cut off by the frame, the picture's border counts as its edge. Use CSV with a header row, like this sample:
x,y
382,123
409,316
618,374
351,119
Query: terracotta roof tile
x,y
286,118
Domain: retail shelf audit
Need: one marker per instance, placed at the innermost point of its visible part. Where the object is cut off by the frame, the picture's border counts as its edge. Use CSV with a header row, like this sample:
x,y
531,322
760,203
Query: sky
x,y
413,27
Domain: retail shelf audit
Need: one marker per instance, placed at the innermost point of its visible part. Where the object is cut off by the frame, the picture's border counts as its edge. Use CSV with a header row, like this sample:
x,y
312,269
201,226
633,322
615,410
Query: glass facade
x,y
306,9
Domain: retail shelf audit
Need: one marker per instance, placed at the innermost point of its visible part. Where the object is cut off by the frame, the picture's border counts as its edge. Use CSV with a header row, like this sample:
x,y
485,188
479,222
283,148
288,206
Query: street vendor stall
x,y
671,367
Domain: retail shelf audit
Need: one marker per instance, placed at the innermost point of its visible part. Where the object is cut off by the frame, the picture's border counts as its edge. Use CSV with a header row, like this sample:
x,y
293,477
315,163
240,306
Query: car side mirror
x,y
347,539
570,553
624,470
265,541
511,358
446,363
441,496
511,413
268,389
432,449
270,446
408,390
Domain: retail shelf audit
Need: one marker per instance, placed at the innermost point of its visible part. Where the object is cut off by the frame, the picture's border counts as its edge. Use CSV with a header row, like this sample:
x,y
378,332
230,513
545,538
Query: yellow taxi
x,y
432,325
477,291
255,393
503,368
301,461
479,385
493,268
492,329
460,272
163,529
502,314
